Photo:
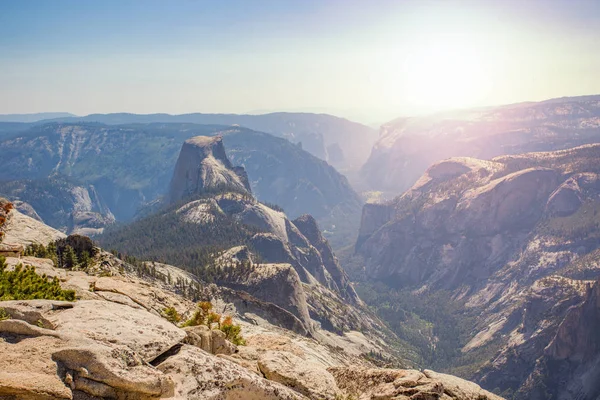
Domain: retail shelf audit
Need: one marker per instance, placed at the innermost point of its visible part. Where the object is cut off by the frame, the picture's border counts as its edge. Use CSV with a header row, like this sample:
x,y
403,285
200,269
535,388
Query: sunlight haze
x,y
370,61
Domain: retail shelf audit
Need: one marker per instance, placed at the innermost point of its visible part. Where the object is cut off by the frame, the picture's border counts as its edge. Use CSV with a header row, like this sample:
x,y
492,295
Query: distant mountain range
x,y
113,171
342,143
34,117
408,146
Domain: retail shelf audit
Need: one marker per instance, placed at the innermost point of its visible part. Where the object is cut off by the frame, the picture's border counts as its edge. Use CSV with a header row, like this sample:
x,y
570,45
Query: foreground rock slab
x,y
306,377
199,376
145,333
60,350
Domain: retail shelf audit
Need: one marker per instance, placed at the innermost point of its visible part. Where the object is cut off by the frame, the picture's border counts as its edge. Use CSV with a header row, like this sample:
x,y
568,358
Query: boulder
x,y
220,344
102,321
212,341
458,388
11,250
64,358
379,383
199,336
107,371
24,230
26,368
199,375
303,376
34,312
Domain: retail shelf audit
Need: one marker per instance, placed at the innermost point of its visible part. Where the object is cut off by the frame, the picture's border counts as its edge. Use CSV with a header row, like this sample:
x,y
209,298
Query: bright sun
x,y
443,75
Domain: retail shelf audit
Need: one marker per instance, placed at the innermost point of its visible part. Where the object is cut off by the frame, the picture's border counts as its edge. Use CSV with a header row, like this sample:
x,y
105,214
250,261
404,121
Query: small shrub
x,y
233,333
346,397
3,314
204,316
23,283
7,207
200,315
171,315
213,318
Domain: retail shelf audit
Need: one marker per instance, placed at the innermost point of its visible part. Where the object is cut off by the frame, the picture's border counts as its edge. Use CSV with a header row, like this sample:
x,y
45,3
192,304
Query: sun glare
x,y
442,74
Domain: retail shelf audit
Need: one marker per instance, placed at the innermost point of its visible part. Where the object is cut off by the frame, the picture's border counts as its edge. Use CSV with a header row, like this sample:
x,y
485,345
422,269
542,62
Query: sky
x,y
365,60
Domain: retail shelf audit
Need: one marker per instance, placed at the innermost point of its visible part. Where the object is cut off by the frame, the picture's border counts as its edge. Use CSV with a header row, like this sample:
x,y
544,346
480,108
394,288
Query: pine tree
x,y
51,252
85,260
69,258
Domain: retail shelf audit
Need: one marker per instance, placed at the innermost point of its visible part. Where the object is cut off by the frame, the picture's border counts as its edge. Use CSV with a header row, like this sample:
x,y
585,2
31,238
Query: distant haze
x,y
33,117
364,60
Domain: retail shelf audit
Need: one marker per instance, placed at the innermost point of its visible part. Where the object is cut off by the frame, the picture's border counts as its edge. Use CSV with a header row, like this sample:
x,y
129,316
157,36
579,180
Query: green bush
x,y
171,314
23,283
200,315
233,333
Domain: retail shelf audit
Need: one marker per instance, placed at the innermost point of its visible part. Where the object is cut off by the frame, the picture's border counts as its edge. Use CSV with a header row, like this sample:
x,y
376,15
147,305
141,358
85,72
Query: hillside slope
x,y
511,242
115,341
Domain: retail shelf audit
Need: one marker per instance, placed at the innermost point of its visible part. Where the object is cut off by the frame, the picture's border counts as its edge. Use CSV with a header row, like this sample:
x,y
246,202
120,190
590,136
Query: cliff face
x,y
512,240
577,336
374,216
203,166
468,223
569,367
307,225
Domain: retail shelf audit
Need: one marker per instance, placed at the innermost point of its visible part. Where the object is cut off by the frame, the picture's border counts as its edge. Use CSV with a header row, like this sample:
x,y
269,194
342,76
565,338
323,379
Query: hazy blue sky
x,y
365,59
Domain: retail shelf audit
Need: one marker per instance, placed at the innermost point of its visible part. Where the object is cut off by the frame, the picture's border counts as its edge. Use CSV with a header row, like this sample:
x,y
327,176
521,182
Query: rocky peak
x,y
309,228
203,166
